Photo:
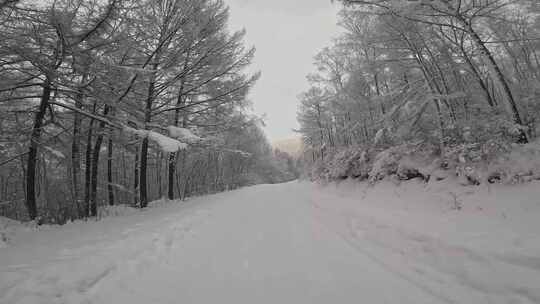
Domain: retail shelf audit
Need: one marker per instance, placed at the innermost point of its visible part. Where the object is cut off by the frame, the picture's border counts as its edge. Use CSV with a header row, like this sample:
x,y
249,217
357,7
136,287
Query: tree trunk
x,y
180,101
33,152
142,174
76,155
434,89
110,170
88,171
94,168
159,175
95,165
479,78
170,179
378,91
143,187
136,180
500,78
88,166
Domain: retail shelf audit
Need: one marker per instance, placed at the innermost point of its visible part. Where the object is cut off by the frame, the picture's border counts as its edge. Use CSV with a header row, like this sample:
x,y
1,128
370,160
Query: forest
x,y
124,102
129,101
426,89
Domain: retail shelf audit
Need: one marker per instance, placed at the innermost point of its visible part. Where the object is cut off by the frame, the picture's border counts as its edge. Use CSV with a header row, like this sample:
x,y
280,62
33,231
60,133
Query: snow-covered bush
x,y
359,164
351,162
464,159
520,164
495,161
386,163
405,161
319,170
471,160
410,167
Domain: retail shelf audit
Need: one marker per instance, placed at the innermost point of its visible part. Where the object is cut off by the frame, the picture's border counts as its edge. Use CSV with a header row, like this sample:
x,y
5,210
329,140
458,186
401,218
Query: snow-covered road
x,y
288,243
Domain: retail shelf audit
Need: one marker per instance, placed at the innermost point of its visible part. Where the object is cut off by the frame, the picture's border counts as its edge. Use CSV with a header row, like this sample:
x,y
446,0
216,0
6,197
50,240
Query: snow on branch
x,y
183,134
181,138
166,143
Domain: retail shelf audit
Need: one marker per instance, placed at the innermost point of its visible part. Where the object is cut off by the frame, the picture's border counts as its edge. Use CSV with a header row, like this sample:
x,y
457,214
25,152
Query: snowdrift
x,y
471,164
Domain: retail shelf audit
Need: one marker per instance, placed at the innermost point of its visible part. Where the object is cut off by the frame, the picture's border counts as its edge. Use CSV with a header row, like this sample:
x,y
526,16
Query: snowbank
x,y
166,143
11,229
116,210
522,164
472,164
66,264
7,229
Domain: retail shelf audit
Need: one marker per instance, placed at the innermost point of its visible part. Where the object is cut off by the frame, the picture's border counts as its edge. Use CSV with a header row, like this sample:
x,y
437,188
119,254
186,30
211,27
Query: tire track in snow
x,y
415,257
415,283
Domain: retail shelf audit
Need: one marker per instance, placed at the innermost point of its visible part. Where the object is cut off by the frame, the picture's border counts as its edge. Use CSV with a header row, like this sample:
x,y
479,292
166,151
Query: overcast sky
x,y
287,34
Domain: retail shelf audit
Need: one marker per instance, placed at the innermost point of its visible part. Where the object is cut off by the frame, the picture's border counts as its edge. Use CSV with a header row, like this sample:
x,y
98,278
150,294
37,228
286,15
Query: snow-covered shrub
x,y
409,168
520,164
386,163
471,160
359,164
351,162
337,164
495,161
405,161
319,171
464,159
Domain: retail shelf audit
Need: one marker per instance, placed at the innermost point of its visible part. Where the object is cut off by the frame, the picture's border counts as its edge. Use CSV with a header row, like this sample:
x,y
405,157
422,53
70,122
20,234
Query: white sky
x,y
287,34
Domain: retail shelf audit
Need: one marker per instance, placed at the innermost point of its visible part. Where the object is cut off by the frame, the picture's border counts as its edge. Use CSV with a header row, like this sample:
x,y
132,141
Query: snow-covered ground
x,y
290,243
